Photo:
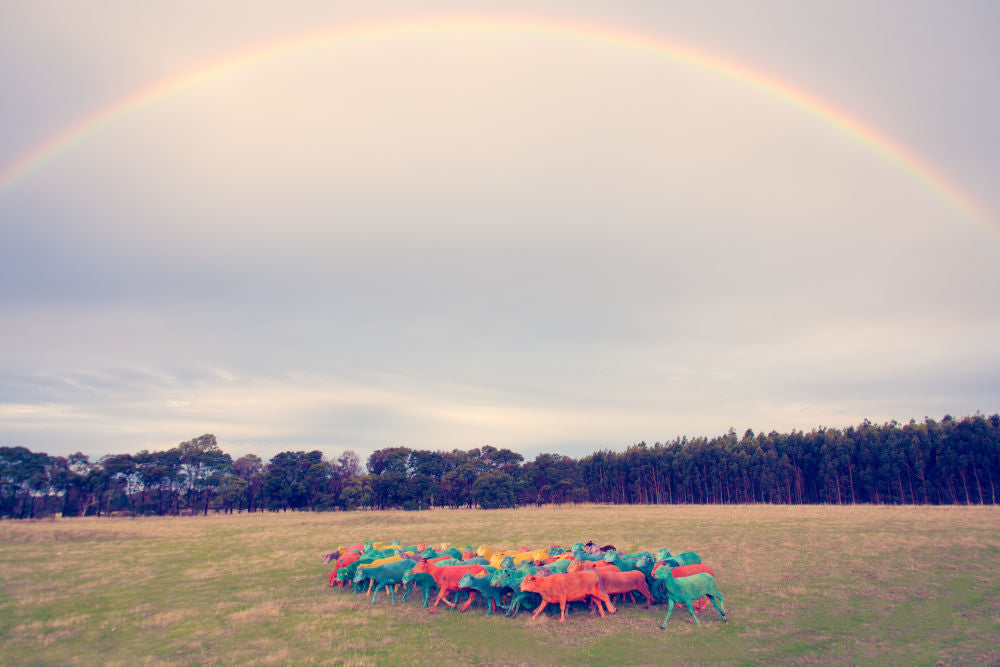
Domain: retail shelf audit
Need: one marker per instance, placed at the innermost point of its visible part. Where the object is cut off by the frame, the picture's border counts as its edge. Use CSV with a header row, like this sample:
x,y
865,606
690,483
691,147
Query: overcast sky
x,y
528,237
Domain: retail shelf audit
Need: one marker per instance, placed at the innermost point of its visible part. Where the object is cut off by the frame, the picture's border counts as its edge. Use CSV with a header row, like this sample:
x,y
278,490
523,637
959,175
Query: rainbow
x,y
36,158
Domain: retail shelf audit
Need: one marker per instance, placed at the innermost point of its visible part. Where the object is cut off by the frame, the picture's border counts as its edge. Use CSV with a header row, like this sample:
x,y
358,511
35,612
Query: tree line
x,y
930,462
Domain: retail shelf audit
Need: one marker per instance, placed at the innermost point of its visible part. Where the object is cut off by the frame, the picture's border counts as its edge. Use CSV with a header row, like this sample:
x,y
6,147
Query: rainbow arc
x,y
897,154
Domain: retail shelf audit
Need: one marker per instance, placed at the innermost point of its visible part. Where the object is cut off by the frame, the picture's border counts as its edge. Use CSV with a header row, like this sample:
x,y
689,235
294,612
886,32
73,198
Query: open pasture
x,y
829,585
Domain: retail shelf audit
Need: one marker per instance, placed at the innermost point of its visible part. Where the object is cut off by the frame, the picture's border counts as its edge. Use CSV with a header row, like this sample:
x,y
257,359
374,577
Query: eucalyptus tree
x,y
204,464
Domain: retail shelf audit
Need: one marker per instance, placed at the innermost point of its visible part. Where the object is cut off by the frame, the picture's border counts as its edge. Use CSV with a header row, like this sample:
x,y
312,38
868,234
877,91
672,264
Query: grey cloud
x,y
561,246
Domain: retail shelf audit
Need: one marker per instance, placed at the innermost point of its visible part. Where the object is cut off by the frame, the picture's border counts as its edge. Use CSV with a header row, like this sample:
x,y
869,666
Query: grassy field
x,y
829,585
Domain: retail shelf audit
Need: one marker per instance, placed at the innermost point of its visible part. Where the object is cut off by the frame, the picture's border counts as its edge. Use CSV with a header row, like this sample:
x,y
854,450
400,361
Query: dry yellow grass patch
x,y
71,621
250,594
46,633
204,572
28,629
156,662
165,619
258,613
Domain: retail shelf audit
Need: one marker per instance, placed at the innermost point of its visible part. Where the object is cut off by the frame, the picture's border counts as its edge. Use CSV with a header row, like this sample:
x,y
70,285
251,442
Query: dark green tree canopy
x,y
954,461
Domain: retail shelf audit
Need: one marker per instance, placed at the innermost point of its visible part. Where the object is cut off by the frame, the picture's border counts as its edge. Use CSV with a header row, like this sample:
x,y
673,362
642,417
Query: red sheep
x,y
447,577
582,565
619,583
563,588
343,561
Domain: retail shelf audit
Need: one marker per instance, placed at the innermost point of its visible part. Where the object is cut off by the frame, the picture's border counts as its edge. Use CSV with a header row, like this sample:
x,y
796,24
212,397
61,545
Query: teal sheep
x,y
686,590
383,576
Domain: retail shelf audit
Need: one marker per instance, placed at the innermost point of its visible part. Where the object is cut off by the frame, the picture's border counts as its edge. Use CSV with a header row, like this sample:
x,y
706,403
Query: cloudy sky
x,y
547,226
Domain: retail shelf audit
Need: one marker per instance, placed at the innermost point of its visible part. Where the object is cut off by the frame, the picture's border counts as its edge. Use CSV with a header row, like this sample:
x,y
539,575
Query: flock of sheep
x,y
515,579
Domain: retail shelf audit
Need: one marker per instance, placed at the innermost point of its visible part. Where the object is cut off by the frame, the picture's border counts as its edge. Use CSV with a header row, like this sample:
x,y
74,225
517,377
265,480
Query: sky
x,y
545,226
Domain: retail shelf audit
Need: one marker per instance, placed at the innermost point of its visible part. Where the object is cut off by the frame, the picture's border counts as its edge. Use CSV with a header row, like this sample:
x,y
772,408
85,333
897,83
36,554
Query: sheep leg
x,y
690,608
597,602
443,597
670,610
515,605
719,606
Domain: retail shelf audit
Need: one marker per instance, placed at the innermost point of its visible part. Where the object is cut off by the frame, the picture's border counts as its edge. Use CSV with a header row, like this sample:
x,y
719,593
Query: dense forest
x,y
947,462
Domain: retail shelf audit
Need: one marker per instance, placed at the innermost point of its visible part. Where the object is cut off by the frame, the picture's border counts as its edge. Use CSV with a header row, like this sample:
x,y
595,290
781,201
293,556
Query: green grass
x,y
829,585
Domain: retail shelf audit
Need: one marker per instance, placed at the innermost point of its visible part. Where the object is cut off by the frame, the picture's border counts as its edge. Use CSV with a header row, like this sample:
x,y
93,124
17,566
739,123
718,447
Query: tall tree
x,y
203,464
250,469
